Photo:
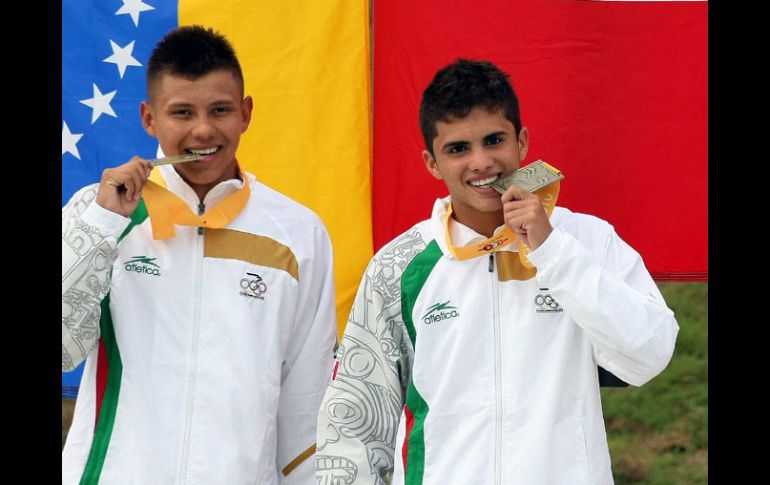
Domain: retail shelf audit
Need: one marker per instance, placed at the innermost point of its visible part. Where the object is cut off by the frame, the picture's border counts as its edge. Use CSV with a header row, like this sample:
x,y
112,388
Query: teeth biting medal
x,y
190,157
537,177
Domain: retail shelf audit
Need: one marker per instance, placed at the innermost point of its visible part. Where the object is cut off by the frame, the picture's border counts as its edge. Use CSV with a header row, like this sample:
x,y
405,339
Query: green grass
x,y
658,434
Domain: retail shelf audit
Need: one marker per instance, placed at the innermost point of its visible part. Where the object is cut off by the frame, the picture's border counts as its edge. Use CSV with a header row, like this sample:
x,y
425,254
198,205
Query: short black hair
x,y
461,86
192,51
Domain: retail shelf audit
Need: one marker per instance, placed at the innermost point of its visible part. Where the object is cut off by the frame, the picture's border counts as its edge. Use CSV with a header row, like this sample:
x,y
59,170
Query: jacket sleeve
x,y
360,413
88,249
307,362
610,294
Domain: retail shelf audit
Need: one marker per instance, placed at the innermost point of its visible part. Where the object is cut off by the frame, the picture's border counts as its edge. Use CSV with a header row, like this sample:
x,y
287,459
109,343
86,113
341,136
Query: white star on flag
x,y
100,103
69,141
133,8
122,57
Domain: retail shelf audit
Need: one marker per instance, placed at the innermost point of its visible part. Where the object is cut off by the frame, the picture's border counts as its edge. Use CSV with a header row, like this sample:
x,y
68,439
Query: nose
x,y
204,128
481,161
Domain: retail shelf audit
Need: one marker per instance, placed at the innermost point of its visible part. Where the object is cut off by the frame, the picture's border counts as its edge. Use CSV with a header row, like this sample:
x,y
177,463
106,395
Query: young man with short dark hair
x,y
467,360
203,299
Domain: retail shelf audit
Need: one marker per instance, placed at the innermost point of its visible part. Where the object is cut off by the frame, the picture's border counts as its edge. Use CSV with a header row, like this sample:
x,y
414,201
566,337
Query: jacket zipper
x,y
498,370
193,369
201,211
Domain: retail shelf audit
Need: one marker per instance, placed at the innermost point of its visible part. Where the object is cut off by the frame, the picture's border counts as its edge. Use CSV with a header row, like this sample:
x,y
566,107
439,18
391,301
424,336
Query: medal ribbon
x,y
505,236
166,209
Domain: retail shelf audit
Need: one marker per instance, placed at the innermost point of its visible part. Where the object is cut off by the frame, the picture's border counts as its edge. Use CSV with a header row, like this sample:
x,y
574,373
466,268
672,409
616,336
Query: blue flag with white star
x,y
105,48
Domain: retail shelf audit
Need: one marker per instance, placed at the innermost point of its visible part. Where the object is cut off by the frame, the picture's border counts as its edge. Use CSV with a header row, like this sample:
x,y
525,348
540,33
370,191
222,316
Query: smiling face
x,y
206,115
470,153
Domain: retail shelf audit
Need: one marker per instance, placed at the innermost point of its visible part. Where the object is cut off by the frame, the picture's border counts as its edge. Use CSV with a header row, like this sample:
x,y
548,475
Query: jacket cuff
x,y
107,222
548,251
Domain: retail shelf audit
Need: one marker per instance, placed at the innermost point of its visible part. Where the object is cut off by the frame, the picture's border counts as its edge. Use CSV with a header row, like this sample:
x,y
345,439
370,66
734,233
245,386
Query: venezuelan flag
x,y
306,65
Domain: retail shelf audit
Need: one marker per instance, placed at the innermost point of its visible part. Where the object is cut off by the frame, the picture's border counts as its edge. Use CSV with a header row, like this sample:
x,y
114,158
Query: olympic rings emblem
x,y
253,287
546,303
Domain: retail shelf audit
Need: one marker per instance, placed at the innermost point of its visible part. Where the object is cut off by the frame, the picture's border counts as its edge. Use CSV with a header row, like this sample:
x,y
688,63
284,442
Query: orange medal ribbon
x,y
503,237
166,209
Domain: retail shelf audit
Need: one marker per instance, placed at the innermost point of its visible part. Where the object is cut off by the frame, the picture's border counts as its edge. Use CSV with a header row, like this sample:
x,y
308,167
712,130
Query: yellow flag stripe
x,y
306,65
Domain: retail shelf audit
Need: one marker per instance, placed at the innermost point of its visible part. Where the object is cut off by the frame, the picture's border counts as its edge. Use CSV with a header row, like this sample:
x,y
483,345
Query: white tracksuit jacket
x,y
480,372
213,351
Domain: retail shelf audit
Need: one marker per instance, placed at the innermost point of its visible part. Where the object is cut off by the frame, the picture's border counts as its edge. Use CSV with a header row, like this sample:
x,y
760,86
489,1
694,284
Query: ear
x,y
247,105
148,119
431,164
523,143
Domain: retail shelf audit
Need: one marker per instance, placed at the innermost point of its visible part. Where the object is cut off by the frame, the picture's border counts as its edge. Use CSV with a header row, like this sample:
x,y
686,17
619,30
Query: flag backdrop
x,y
305,65
614,94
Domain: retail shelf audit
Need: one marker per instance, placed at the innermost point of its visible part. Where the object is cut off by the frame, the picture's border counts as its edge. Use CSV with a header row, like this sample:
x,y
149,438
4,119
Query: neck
x,y
484,223
201,189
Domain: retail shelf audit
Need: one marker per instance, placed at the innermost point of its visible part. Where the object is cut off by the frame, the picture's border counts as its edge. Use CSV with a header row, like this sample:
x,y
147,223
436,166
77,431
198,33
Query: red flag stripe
x,y
409,424
614,94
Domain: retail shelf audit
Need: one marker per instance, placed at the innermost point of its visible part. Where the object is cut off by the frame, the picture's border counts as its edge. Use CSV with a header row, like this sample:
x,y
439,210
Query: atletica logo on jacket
x,y
440,312
143,265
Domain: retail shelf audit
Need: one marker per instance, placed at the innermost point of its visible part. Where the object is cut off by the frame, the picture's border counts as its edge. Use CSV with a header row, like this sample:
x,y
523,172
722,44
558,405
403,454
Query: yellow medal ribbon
x,y
505,236
166,209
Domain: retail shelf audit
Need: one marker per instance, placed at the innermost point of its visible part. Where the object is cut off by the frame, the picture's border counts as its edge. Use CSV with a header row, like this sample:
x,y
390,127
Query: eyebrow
x,y
223,101
496,133
179,105
184,104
